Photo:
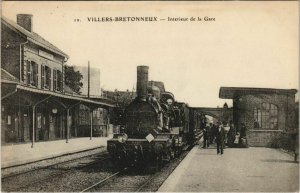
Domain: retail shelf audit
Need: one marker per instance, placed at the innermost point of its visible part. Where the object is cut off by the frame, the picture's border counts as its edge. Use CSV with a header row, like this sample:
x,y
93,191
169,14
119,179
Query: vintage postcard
x,y
139,96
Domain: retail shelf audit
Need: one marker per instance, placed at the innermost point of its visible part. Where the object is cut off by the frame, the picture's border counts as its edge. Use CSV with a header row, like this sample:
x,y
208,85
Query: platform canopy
x,y
233,92
11,85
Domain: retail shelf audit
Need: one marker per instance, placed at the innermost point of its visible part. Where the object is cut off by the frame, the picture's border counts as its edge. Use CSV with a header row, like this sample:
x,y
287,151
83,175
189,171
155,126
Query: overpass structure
x,y
224,114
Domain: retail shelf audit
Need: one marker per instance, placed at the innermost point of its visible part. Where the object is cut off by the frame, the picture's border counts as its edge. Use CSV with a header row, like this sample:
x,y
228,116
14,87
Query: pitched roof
x,y
232,92
33,37
7,77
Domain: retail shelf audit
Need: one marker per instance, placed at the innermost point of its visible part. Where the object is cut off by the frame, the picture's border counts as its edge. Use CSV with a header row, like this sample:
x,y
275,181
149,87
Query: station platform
x,y
23,153
237,170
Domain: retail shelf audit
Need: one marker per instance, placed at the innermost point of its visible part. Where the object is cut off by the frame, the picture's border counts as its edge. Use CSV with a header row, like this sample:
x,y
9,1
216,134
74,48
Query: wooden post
x,y
33,126
20,128
68,125
69,119
107,124
91,123
76,122
33,118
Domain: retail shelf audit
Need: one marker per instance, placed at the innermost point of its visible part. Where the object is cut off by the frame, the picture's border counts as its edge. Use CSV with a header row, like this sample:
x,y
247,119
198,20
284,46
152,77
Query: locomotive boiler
x,y
156,126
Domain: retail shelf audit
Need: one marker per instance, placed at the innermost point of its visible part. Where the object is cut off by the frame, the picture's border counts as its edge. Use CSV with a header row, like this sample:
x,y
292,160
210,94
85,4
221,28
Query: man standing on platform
x,y
205,137
210,133
220,133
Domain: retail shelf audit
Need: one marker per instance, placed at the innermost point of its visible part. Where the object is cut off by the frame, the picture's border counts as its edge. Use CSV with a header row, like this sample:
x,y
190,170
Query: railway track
x,y
128,180
49,166
121,181
93,174
53,171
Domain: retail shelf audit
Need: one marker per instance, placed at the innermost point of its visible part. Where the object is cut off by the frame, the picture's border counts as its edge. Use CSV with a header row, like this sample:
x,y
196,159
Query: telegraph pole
x,y
88,79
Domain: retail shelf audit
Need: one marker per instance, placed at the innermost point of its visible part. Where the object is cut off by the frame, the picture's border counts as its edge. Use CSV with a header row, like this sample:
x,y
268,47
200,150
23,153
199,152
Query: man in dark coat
x,y
210,133
231,134
213,132
206,137
220,134
243,138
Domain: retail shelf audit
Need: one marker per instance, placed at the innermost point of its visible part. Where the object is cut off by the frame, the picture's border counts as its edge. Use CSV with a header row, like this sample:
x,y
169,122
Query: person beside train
x,y
226,129
220,134
296,146
213,132
243,137
231,134
210,133
205,137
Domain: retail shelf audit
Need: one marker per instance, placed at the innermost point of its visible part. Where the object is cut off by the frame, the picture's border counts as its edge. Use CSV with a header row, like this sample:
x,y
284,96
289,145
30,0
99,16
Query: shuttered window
x,y
42,76
29,71
35,73
59,80
47,77
24,71
54,80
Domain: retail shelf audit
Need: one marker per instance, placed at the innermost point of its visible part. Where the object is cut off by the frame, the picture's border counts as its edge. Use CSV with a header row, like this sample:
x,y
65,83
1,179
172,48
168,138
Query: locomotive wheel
x,y
173,154
120,165
168,157
177,153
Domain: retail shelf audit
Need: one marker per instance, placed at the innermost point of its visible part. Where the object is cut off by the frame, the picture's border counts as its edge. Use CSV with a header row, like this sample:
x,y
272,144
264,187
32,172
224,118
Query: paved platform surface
x,y
237,170
23,153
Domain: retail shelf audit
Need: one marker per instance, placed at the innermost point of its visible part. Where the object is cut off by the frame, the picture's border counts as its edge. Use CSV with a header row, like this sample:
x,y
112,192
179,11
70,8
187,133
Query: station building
x,y
266,112
36,104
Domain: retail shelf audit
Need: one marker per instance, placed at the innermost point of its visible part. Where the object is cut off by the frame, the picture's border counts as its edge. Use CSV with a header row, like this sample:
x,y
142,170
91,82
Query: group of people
x,y
224,135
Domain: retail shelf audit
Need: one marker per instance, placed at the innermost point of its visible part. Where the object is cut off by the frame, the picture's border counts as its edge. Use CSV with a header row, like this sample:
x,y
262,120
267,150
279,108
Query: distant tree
x,y
73,78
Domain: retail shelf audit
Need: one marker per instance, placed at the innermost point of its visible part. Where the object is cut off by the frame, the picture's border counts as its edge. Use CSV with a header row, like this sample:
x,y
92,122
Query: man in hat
x,y
220,133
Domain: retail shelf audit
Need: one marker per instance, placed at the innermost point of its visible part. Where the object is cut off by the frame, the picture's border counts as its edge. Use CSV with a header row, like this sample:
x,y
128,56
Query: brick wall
x,y
10,50
244,113
261,138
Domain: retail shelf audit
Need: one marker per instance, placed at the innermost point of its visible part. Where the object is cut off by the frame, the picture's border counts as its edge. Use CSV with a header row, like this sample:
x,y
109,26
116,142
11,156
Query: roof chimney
x,y
25,21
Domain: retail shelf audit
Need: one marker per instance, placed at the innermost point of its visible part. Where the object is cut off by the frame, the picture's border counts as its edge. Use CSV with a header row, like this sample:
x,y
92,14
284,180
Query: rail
x,y
102,181
49,165
68,170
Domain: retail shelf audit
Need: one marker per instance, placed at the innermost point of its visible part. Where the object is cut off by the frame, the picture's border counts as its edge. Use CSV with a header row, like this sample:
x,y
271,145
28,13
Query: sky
x,y
249,44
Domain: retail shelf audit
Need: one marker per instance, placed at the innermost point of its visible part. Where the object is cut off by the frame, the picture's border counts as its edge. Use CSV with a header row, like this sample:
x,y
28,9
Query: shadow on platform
x,y
279,161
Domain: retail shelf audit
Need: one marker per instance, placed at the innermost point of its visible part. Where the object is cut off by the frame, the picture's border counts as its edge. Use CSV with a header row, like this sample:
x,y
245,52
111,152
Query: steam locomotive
x,y
157,128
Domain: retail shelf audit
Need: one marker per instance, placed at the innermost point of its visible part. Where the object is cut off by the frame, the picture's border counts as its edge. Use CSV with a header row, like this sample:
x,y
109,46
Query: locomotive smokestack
x,y
142,82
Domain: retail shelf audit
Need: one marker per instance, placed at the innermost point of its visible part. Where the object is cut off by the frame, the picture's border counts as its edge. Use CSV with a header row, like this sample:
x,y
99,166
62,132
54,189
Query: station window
x,y
84,117
97,113
266,116
30,73
45,77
